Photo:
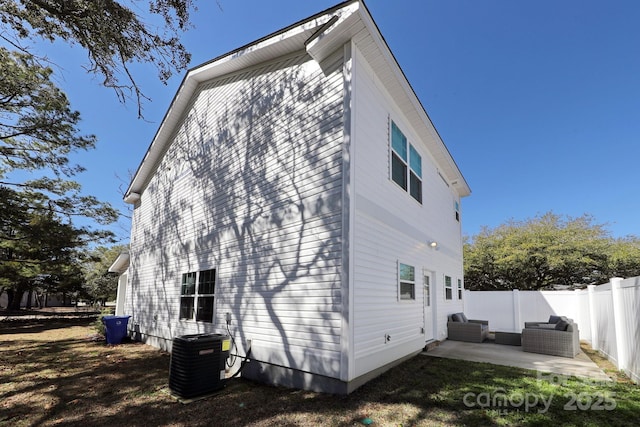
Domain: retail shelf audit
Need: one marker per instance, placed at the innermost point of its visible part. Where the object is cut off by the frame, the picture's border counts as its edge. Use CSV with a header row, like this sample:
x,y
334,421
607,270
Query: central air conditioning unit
x,y
197,364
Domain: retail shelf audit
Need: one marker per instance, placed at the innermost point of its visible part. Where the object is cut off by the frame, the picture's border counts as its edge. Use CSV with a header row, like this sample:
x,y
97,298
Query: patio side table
x,y
508,338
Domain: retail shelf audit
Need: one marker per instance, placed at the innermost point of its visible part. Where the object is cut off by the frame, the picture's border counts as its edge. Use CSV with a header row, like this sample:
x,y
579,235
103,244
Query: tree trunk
x,y
10,296
29,298
14,302
39,300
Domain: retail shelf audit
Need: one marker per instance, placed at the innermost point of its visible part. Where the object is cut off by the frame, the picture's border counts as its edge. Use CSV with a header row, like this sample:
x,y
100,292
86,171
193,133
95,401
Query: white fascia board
x,y
337,34
259,52
121,263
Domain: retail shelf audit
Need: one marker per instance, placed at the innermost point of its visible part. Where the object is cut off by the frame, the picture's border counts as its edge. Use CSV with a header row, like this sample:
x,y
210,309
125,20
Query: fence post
x,y
516,310
618,322
593,321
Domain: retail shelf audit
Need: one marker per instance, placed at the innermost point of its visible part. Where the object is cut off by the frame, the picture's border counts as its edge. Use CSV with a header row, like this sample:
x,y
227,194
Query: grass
x,y
55,373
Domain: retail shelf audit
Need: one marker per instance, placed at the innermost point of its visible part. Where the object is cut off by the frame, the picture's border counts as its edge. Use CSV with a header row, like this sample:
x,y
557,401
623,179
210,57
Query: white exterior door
x,y
428,300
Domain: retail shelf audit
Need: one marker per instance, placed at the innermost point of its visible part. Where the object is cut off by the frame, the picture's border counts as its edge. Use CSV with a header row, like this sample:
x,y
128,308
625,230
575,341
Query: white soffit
x,y
120,264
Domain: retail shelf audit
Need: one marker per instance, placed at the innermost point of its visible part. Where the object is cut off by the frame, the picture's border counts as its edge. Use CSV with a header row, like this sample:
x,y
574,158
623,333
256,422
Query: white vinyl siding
x,y
252,185
389,226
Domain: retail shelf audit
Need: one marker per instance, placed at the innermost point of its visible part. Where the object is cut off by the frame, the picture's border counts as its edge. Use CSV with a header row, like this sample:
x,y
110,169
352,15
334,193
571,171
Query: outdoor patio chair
x,y
462,329
563,340
549,324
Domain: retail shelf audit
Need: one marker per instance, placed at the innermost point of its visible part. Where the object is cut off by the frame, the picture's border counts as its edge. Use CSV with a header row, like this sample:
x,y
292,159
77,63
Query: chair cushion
x,y
457,317
546,326
554,319
562,325
464,318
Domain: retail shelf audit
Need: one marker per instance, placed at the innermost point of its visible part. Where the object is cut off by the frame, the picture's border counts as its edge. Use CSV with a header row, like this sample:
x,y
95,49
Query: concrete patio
x,y
508,355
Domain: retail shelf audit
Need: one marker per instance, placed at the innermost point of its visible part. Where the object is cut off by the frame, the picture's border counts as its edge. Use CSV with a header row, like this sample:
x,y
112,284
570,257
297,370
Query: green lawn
x,y
54,374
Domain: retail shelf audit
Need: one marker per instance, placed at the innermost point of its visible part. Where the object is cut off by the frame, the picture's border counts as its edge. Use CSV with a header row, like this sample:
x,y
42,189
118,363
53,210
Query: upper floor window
x,y
406,164
456,206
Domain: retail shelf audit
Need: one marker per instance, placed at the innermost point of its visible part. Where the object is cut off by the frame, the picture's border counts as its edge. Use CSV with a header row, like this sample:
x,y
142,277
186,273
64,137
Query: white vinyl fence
x,y
607,315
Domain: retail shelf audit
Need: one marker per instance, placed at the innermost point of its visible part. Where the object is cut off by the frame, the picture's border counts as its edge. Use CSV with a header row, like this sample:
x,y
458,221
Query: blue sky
x,y
537,101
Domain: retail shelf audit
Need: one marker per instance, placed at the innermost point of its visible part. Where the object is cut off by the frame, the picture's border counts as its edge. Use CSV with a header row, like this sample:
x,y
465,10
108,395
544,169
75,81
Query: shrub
x,y
98,324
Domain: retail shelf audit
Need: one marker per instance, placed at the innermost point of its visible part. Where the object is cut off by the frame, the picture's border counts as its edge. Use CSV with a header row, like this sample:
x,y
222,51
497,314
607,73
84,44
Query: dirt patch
x,y
54,372
60,371
48,313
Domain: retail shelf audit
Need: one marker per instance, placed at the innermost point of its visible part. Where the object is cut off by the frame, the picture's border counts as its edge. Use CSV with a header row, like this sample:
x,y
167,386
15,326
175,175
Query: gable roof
x,y
320,35
121,263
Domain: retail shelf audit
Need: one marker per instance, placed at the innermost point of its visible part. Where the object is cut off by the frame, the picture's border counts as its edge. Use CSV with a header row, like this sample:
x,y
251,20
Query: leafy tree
x,y
624,259
38,129
545,251
100,285
112,33
37,246
37,126
40,248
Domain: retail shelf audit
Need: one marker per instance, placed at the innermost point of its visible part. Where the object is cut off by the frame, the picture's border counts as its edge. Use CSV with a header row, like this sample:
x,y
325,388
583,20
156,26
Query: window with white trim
x,y
406,164
406,282
457,210
448,288
197,302
459,289
187,295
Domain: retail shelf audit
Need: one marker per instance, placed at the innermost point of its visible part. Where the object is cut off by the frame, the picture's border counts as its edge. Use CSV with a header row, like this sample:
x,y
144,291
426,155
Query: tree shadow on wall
x,y
252,186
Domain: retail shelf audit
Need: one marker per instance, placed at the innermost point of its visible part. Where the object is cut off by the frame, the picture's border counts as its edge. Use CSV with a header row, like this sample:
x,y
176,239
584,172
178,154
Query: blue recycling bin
x,y
116,327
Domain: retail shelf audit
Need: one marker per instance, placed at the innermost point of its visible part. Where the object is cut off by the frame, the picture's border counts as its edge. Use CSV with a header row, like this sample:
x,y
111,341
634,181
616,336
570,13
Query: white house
x,y
121,267
297,186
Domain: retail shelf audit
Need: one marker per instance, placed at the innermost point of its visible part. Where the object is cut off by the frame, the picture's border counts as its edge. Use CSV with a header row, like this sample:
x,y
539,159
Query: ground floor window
x,y
407,281
459,289
448,288
198,301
